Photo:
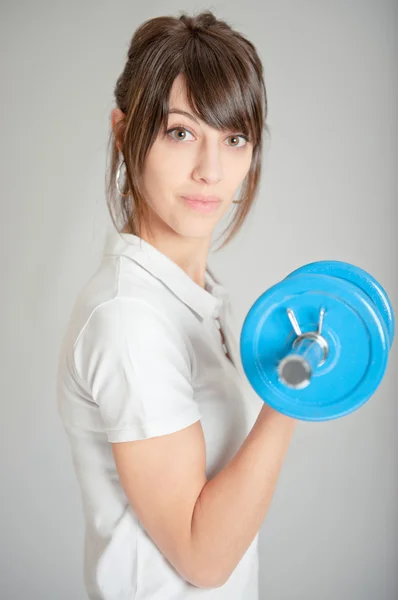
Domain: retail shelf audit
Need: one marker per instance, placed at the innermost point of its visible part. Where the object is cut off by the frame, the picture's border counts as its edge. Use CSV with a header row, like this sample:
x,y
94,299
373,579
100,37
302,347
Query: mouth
x,y
207,206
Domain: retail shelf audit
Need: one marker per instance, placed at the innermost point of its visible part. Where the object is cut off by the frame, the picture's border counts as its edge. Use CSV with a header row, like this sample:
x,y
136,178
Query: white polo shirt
x,y
142,356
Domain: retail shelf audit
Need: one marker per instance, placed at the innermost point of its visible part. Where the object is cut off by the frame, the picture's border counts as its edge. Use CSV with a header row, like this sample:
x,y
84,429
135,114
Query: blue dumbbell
x,y
315,346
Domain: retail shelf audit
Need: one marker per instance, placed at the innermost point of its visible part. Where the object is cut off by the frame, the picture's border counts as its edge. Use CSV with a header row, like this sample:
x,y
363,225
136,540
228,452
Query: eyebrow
x,y
183,112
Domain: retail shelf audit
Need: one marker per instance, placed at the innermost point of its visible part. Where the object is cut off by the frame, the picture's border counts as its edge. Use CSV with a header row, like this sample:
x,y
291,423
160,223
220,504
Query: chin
x,y
195,228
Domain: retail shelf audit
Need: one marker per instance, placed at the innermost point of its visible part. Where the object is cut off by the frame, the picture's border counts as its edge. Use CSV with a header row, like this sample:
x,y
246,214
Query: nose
x,y
208,167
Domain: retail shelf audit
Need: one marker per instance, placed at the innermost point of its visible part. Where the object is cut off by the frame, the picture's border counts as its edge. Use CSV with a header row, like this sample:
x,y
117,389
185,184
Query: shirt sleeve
x,y
137,367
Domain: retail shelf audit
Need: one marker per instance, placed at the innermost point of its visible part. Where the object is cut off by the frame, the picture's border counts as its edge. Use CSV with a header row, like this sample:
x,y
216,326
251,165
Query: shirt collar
x,y
205,302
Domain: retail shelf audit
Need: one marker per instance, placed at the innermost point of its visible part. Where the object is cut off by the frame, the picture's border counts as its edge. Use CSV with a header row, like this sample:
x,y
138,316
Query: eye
x,y
178,128
184,129
239,136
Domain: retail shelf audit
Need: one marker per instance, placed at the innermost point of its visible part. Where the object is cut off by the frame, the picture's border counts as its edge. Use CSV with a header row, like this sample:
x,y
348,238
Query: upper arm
x,y
138,370
162,478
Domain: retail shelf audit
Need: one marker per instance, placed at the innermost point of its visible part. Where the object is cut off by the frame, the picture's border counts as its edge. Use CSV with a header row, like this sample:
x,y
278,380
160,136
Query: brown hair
x,y
225,89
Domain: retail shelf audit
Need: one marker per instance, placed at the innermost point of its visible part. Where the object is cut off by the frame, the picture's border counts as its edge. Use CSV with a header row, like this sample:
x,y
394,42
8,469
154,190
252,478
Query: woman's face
x,y
192,159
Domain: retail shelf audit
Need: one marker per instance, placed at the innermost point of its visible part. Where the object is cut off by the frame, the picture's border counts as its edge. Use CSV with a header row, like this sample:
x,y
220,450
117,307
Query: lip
x,y
208,206
200,198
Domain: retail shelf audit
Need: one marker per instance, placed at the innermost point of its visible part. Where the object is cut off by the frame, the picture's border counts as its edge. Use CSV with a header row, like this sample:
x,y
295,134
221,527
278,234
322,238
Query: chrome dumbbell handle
x,y
308,352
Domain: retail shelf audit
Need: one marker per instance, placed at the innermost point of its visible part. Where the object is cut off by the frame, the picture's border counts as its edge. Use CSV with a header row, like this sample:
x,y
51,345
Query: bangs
x,y
222,89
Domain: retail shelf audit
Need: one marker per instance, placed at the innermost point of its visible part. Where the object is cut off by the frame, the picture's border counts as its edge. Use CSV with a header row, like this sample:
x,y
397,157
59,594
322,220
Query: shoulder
x,y
123,293
130,336
125,316
123,310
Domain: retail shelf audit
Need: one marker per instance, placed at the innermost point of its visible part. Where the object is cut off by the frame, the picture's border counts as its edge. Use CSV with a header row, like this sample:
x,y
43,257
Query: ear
x,y
117,117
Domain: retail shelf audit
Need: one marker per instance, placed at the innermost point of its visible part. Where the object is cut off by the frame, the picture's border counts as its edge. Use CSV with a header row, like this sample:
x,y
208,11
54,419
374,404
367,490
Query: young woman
x,y
176,464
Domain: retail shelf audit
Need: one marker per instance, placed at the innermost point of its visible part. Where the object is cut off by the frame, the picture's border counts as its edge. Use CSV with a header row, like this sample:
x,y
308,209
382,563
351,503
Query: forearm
x,y
232,506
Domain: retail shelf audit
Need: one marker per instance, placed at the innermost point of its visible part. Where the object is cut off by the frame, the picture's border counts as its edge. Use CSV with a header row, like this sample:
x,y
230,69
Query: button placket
x,y
219,308
223,339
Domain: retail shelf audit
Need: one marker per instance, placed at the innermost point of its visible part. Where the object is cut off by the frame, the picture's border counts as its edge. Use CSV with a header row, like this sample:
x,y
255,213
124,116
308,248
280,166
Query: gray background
x,y
329,190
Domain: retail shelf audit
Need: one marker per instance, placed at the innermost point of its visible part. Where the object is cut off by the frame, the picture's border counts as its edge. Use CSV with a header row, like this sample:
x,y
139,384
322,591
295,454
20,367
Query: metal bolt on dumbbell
x,y
309,351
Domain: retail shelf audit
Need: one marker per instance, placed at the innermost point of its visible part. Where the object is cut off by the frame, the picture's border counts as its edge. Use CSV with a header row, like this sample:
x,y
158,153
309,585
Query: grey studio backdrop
x,y
328,191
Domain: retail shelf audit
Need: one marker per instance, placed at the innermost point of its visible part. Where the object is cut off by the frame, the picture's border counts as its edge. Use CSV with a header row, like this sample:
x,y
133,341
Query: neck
x,y
190,254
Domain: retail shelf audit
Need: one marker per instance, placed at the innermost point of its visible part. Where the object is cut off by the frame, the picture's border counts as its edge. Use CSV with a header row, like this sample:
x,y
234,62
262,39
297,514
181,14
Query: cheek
x,y
161,177
236,173
163,164
244,164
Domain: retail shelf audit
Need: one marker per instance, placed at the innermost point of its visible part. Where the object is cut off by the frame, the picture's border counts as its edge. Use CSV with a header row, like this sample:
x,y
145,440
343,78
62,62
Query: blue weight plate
x,y
359,277
353,328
